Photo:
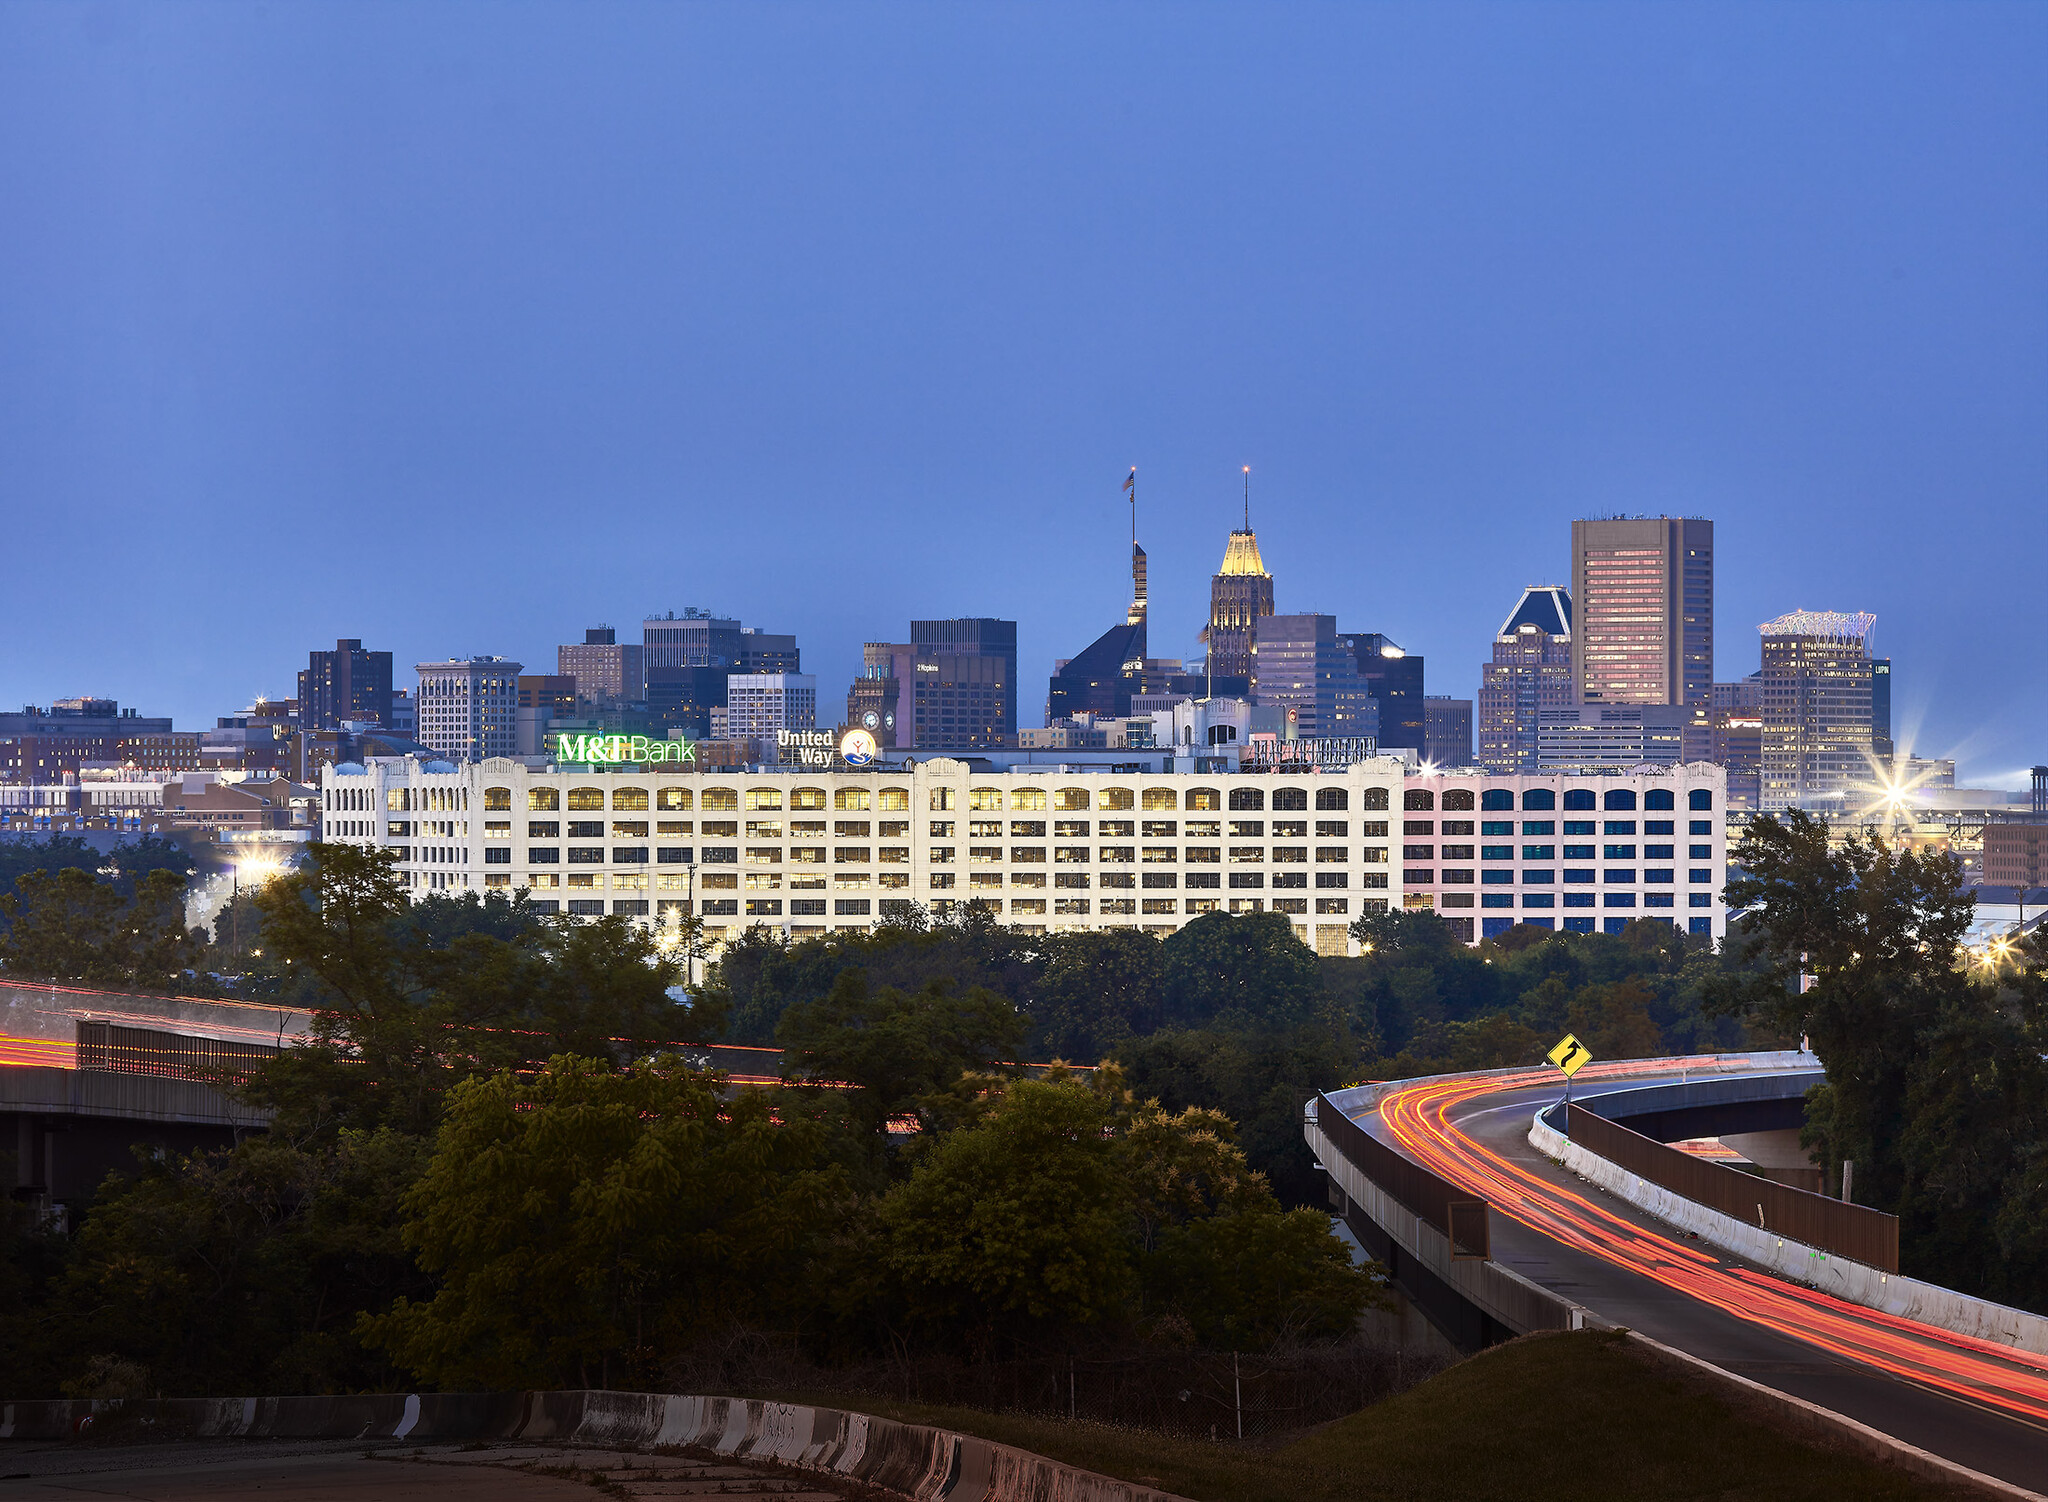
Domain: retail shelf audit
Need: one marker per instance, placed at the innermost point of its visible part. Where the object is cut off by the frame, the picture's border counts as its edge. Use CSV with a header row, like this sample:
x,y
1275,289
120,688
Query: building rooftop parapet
x,y
1831,625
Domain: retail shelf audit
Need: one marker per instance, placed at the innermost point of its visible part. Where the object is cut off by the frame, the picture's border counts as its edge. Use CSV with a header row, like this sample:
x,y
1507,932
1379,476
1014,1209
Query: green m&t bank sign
x,y
602,750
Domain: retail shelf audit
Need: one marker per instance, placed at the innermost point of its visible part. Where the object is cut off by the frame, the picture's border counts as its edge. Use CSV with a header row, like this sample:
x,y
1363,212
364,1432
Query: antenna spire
x,y
1247,498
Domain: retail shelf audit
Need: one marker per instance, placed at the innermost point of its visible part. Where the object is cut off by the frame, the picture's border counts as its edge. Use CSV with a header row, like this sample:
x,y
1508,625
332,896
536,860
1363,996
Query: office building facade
x,y
1531,671
469,707
1301,666
1818,736
1447,731
1611,737
347,684
1394,678
1643,598
809,852
759,705
2016,855
609,674
1581,854
962,650
953,685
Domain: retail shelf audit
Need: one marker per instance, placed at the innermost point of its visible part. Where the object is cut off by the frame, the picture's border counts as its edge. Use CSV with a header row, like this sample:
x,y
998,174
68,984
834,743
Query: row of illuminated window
x,y
1247,881
1549,852
634,799
677,881
1163,855
855,855
1544,876
1545,800
1589,899
1071,907
1152,829
1549,826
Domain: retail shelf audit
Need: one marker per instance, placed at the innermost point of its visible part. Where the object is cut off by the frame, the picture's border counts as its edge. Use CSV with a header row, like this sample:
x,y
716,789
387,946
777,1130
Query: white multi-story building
x,y
469,707
807,851
1577,853
1056,848
757,705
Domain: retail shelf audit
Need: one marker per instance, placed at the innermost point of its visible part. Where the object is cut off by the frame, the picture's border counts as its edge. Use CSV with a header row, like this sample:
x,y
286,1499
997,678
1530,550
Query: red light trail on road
x,y
1417,1120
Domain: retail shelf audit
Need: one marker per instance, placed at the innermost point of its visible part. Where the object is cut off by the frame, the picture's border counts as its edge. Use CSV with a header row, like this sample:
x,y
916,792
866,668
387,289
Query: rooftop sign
x,y
600,750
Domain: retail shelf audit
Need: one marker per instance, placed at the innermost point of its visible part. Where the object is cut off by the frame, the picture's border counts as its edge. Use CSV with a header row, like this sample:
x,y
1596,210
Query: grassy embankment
x,y
1563,1417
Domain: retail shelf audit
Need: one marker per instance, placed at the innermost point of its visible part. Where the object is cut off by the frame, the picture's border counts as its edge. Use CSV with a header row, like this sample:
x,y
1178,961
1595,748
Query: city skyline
x,y
1450,681
1442,297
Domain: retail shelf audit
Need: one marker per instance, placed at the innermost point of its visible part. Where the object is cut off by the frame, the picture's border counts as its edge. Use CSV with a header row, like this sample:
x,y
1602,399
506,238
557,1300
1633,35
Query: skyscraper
x,y
345,684
1817,735
1881,708
1302,666
1447,731
469,707
1108,670
1531,671
698,639
1644,592
608,675
1393,676
760,704
1239,594
954,683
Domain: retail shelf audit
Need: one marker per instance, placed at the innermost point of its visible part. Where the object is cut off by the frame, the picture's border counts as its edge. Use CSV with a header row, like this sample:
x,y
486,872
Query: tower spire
x,y
1247,498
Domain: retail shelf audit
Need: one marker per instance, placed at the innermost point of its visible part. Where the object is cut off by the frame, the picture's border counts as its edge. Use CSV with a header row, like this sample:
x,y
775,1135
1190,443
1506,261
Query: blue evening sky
x,y
461,327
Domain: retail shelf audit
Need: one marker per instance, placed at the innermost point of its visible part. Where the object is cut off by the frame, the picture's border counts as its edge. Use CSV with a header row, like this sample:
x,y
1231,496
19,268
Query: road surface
x,y
1982,1405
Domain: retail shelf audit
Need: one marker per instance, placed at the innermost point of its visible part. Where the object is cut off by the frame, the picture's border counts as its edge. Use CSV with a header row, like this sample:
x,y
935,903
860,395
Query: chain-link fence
x,y
1203,1394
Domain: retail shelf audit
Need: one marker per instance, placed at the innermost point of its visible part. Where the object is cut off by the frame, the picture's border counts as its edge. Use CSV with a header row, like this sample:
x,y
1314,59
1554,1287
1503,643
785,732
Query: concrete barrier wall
x,y
1508,1297
930,1465
1908,1298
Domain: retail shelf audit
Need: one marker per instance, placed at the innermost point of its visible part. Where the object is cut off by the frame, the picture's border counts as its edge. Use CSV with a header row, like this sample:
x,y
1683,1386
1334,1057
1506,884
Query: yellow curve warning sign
x,y
1570,1055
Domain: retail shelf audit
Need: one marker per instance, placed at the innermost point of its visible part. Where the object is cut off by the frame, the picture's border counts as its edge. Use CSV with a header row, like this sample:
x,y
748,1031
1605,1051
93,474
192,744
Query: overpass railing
x,y
1853,1231
1457,1212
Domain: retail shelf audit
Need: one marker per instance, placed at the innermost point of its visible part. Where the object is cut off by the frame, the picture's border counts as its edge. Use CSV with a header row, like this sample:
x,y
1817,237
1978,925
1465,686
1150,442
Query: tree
x,y
1935,1082
1018,1226
584,1219
403,1010
1255,1275
73,926
1071,1205
894,1049
1239,971
1097,991
1258,1080
243,1269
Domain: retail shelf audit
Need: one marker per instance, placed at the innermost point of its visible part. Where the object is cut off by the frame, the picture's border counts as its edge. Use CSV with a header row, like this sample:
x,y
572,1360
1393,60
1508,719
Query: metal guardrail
x,y
143,1050
1460,1214
1856,1232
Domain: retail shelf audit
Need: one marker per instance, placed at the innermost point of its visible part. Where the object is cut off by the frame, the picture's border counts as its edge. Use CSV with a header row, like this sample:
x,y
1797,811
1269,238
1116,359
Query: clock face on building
x,y
871,720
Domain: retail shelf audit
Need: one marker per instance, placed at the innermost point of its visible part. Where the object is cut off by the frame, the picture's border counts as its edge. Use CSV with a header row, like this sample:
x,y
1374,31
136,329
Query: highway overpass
x,y
1492,1237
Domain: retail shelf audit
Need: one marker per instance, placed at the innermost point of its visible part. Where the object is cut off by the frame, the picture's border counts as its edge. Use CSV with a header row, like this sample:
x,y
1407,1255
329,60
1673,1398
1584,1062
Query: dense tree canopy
x,y
496,1162
1936,1085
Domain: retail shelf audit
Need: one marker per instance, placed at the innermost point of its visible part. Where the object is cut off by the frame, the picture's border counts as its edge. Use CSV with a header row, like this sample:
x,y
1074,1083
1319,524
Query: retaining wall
x,y
1854,1282
930,1465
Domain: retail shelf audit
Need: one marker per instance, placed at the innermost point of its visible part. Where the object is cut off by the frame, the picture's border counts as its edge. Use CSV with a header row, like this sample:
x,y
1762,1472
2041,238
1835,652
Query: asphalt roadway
x,y
1495,1126
378,1471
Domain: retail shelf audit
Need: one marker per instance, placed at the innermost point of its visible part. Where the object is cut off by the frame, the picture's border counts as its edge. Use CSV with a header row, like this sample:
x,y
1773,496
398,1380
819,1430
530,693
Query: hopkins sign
x,y
599,750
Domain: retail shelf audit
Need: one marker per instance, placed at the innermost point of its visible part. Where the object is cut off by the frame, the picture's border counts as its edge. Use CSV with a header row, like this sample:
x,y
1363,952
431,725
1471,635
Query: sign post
x,y
1569,1055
